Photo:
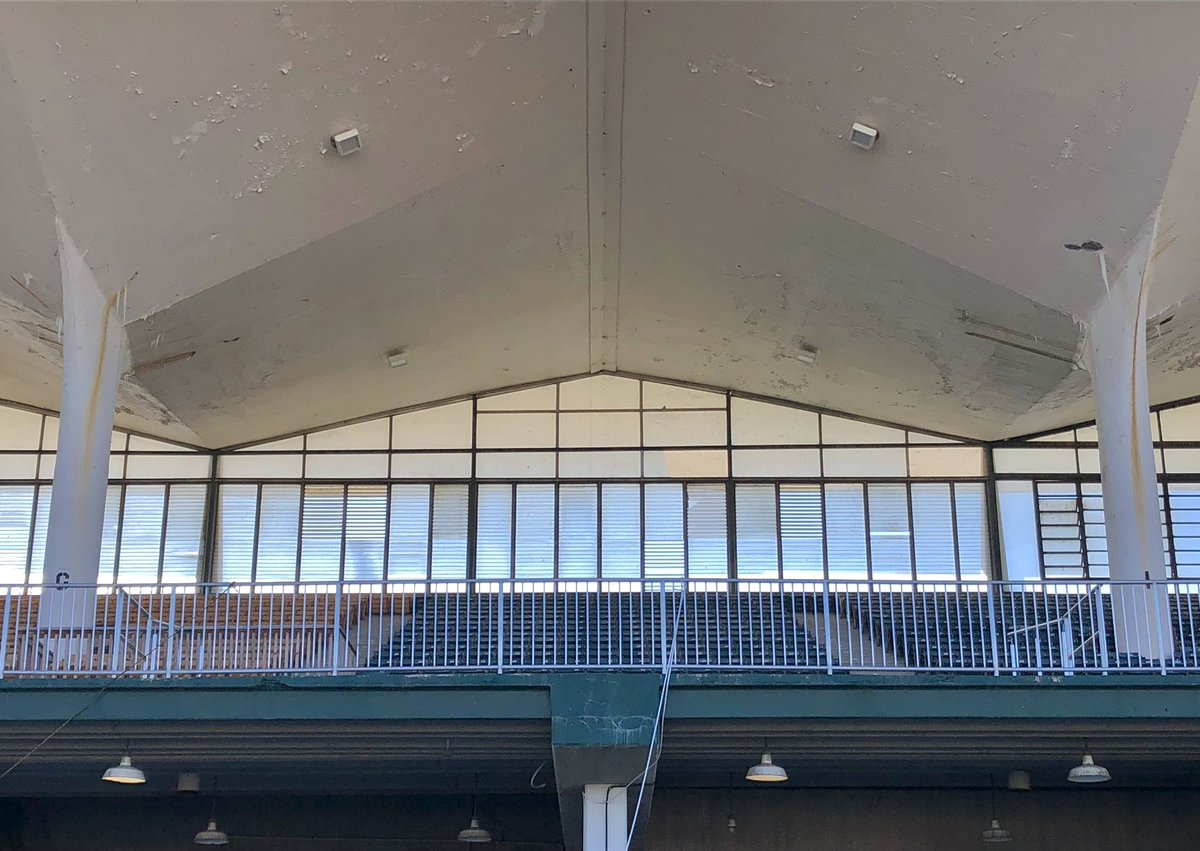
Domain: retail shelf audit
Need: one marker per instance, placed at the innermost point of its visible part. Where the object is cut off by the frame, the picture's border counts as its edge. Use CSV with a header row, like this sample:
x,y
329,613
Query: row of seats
x,y
780,629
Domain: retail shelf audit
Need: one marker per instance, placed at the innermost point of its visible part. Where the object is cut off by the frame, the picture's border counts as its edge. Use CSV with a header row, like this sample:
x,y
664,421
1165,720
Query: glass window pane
x,y
707,531
599,393
686,463
535,531
20,429
578,515
1182,423
763,424
441,427
431,465
16,528
657,396
757,532
321,532
409,532
864,463
449,545
945,461
493,540
683,428
621,530
369,435
663,544
602,464
278,533
347,465
802,531
835,430
238,505
845,530
515,465
40,524
933,530
603,428
515,431
530,399
366,519
185,531
141,533
776,463
889,534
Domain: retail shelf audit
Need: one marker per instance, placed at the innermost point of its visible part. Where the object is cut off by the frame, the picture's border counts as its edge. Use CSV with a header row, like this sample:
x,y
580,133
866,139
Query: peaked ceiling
x,y
552,189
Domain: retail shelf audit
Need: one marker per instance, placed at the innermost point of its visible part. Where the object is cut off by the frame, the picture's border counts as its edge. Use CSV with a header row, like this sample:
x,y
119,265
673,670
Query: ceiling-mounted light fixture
x,y
473,832
211,835
1088,772
766,771
397,358
124,772
346,142
805,354
862,136
1018,781
994,834
188,783
731,822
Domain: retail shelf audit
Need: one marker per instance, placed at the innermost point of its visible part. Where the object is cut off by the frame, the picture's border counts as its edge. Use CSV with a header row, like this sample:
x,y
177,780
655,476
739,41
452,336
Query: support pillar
x,y
605,817
93,361
1116,359
602,726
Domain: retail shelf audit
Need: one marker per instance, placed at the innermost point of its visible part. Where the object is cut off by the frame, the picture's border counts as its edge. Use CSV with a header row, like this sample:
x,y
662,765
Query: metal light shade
x,y
188,783
1018,781
996,834
1088,772
124,773
211,836
474,833
766,771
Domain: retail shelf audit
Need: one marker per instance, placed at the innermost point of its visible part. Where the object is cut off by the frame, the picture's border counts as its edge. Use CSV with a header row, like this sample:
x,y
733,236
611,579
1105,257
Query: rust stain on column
x,y
98,377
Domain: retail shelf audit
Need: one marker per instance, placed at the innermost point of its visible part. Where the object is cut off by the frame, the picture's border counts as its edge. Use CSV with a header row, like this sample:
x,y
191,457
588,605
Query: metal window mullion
x,y
345,531
429,534
1041,539
731,539
954,531
120,531
208,546
557,507
778,530
866,501
642,533
599,533
33,519
683,493
1083,541
300,527
258,506
387,528
1172,565
912,532
162,540
472,566
512,533
824,533
992,502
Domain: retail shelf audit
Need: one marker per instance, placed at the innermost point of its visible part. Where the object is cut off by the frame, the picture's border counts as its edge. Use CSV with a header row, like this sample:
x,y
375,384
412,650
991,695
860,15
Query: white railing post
x,y
117,638
1158,629
991,604
501,632
8,595
1101,626
662,623
170,636
828,627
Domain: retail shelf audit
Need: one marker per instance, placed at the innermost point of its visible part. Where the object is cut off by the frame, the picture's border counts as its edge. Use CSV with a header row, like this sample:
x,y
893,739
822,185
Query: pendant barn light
x,y
1088,772
124,772
473,832
766,771
995,834
1018,781
211,835
731,822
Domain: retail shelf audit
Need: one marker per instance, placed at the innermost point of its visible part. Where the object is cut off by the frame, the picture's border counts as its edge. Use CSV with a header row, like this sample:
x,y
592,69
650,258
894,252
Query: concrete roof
x,y
659,188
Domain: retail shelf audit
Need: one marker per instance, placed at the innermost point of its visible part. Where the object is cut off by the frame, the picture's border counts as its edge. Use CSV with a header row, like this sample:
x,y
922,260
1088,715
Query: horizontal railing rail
x,y
281,628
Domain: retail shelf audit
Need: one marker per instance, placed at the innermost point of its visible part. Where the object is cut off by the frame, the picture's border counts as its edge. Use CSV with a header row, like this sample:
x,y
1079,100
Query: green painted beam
x,y
597,709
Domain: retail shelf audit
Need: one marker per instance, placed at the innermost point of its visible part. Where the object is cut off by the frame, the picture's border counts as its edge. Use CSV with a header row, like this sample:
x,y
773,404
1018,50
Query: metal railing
x,y
151,631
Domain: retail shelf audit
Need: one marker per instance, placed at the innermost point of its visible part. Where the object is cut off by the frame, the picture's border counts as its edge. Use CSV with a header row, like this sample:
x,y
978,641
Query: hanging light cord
x,y
96,697
655,750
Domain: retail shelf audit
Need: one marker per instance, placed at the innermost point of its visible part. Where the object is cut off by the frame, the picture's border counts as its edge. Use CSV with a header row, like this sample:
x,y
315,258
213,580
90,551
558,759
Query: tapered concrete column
x,y
605,817
93,361
1116,336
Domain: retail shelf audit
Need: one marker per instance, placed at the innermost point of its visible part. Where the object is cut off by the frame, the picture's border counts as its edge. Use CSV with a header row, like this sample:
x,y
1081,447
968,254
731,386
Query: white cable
x,y
656,732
